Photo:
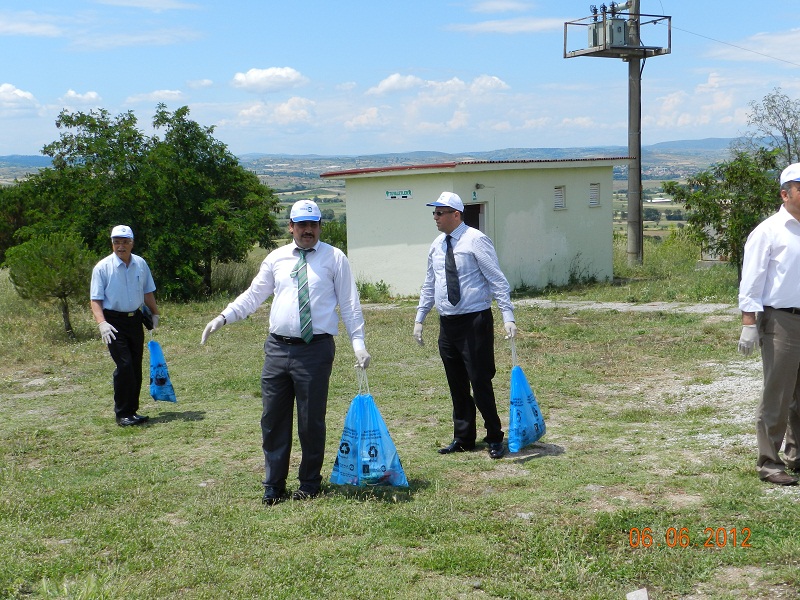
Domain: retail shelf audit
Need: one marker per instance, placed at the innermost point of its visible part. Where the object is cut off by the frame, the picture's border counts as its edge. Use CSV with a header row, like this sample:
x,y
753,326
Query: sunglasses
x,y
439,213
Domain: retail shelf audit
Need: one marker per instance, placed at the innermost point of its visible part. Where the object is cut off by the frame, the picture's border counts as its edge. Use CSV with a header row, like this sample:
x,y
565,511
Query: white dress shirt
x,y
479,276
330,283
771,266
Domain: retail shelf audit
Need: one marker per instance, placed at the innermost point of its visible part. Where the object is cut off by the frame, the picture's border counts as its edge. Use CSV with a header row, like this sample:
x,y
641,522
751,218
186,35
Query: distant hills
x,y
664,160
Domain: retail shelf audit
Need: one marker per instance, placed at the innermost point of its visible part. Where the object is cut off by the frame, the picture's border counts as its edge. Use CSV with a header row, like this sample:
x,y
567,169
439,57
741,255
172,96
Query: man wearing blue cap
x,y
462,277
769,298
308,279
121,284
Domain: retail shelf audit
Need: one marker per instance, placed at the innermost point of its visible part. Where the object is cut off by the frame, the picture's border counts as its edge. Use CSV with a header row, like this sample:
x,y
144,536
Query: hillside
x,y
285,173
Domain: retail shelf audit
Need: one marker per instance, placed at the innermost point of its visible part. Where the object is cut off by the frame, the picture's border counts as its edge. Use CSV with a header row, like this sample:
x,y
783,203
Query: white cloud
x,y
154,5
28,23
269,80
579,122
396,83
200,83
512,26
487,83
72,98
762,47
367,119
162,37
14,100
156,96
294,110
495,6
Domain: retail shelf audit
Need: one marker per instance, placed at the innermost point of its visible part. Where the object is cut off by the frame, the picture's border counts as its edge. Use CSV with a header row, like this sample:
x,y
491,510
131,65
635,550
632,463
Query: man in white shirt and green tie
x,y
308,279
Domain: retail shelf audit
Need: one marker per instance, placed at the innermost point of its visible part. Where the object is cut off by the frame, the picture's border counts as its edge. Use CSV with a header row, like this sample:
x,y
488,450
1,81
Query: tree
x,y
335,234
725,203
187,198
54,267
220,208
651,214
776,123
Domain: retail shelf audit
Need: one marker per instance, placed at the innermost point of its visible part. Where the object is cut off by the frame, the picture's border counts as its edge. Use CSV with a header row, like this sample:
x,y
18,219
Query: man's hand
x,y
511,330
155,321
107,331
418,334
748,339
212,327
362,358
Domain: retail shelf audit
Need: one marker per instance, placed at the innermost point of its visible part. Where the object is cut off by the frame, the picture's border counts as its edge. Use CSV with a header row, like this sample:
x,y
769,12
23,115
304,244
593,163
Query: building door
x,y
474,216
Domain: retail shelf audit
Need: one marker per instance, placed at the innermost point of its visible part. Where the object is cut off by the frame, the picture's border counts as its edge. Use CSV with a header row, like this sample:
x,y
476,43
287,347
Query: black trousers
x,y
466,345
296,372
127,350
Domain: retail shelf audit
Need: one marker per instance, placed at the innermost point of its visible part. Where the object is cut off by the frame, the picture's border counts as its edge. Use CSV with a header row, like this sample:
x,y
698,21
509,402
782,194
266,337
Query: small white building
x,y
550,220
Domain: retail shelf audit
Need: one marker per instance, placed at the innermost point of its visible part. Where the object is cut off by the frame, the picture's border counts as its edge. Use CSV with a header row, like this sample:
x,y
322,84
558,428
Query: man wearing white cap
x,y
121,284
308,279
462,277
769,298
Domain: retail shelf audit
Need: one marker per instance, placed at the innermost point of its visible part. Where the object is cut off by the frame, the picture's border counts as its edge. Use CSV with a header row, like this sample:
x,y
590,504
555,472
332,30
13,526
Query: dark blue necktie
x,y
451,274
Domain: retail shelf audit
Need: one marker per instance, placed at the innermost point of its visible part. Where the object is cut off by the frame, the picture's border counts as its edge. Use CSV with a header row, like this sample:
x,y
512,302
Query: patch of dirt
x,y
743,582
675,307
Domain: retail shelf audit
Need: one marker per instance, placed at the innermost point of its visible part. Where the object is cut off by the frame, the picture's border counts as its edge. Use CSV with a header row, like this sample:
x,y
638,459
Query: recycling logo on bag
x,y
373,452
344,448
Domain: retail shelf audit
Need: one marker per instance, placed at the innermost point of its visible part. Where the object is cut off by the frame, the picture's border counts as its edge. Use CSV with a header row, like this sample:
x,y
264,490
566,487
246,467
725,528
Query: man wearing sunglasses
x,y
462,277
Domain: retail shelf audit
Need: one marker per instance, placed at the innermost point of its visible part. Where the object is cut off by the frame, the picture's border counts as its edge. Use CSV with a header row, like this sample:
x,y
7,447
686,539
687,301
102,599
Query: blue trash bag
x,y
367,454
160,385
525,423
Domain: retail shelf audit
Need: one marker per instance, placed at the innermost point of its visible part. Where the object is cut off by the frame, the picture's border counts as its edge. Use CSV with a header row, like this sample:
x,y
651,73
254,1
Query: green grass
x,y
636,438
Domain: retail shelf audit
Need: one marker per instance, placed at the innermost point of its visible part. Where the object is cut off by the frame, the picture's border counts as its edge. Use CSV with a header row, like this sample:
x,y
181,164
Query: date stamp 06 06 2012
x,y
681,537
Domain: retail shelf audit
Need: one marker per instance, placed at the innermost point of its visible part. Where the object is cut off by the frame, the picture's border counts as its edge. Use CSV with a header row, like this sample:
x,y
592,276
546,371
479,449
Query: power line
x,y
794,64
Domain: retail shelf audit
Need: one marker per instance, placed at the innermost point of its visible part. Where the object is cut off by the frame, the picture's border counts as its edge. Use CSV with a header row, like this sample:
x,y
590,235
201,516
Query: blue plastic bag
x,y
160,385
367,454
525,423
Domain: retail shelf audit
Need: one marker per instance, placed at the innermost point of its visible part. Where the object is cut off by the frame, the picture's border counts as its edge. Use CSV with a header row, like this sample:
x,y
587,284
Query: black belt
x,y
456,317
794,311
285,339
116,313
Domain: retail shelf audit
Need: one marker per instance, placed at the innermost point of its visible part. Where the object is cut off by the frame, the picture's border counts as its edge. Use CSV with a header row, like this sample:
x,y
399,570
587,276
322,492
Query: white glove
x,y
107,331
748,339
511,330
155,321
212,327
418,334
362,358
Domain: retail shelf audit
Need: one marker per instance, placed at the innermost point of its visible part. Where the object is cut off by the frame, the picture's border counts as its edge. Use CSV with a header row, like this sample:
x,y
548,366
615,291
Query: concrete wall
x,y
388,237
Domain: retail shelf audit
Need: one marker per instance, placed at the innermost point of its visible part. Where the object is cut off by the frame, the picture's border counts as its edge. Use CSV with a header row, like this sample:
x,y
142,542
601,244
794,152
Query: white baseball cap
x,y
791,173
305,210
448,199
122,231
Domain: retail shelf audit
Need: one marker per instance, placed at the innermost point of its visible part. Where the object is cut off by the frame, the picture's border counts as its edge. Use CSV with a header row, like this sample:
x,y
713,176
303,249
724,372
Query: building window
x,y
559,197
594,195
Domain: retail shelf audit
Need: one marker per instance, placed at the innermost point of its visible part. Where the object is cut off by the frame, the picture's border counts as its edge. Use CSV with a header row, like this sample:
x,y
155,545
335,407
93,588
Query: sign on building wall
x,y
398,194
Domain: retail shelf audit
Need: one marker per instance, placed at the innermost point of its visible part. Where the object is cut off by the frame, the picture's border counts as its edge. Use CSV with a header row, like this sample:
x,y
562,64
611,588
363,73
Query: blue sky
x,y
368,76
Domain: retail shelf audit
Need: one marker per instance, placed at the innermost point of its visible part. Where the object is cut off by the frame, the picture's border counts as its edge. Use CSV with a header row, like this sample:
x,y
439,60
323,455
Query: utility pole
x,y
612,36
635,220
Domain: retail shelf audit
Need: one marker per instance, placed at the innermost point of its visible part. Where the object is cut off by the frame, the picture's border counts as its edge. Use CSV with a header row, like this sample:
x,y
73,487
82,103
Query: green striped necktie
x,y
304,303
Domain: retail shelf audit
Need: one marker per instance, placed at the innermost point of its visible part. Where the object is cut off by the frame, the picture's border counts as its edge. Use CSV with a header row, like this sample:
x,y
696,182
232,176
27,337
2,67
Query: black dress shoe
x,y
781,478
456,446
128,421
273,496
141,418
496,450
305,494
